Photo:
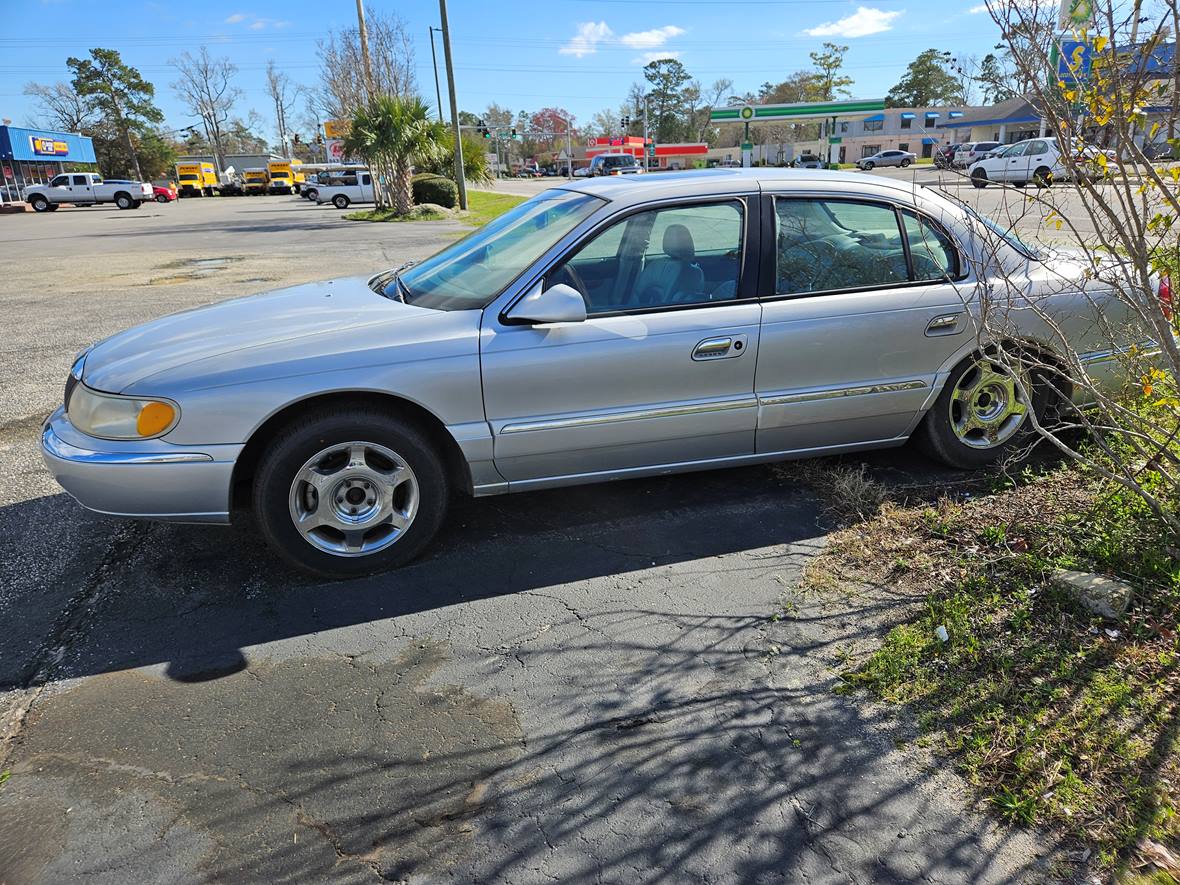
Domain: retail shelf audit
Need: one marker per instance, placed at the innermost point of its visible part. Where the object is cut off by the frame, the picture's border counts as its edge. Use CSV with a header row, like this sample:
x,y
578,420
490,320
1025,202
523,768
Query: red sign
x,y
8,172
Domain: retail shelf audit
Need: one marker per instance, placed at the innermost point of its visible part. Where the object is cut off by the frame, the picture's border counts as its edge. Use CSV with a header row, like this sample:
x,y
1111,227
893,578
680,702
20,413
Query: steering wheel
x,y
572,278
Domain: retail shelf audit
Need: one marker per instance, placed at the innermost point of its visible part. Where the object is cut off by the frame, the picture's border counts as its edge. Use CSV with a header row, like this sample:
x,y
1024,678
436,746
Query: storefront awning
x,y
954,115
875,118
929,140
906,115
932,115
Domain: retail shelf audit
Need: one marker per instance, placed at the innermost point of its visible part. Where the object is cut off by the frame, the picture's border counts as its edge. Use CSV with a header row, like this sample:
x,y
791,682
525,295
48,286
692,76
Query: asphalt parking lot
x,y
592,684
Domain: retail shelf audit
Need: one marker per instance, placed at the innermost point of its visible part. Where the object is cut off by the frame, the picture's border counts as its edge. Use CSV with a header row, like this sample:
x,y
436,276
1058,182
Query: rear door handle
x,y
946,324
720,348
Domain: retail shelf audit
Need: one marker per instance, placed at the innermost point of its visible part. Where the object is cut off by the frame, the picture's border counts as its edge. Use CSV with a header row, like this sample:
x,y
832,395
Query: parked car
x,y
808,161
944,156
1035,159
615,164
343,195
163,194
600,330
973,150
581,172
887,158
87,189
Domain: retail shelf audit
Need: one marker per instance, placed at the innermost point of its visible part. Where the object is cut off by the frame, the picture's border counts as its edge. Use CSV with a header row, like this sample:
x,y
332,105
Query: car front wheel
x,y
867,167
981,414
979,178
39,203
350,493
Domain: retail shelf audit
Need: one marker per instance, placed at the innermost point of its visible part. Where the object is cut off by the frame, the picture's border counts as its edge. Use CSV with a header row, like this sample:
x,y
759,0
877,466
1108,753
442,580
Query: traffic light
x,y
482,128
295,137
513,133
625,122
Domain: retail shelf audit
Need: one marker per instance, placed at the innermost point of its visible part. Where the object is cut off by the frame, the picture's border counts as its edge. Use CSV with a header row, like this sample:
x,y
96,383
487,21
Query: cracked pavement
x,y
595,684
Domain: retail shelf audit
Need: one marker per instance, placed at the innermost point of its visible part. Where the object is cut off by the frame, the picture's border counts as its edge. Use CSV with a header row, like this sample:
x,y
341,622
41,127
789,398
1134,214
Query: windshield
x,y
476,269
619,161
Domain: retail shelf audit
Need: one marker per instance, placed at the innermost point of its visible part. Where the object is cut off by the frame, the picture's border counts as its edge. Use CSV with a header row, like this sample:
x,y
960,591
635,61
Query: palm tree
x,y
394,134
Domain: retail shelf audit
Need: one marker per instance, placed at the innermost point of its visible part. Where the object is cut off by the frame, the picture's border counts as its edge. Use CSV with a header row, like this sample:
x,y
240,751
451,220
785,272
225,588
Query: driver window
x,y
60,181
679,255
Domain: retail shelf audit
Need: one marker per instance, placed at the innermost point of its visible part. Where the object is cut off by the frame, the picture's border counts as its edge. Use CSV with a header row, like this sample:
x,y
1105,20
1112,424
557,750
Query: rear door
x,y
855,325
662,370
80,189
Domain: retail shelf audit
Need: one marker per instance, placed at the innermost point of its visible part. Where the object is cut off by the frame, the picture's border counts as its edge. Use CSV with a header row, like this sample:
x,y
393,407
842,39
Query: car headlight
x,y
108,416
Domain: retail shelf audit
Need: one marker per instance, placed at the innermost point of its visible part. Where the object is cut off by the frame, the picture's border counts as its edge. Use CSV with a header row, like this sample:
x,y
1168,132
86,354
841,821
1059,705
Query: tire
x,y
124,201
867,167
39,203
420,498
979,178
340,201
971,449
53,207
904,163
160,198
1043,177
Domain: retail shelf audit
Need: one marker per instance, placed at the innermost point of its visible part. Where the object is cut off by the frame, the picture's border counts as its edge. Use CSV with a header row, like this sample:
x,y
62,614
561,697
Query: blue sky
x,y
580,54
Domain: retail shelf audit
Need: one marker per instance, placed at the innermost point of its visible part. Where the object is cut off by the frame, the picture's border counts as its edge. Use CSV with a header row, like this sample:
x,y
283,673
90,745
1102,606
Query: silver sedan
x,y
887,158
604,329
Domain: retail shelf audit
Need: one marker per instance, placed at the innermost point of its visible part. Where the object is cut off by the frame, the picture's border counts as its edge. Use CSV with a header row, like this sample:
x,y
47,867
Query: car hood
x,y
286,319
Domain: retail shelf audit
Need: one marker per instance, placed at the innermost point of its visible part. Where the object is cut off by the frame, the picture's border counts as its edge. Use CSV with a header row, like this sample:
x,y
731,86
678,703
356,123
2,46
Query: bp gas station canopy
x,y
789,113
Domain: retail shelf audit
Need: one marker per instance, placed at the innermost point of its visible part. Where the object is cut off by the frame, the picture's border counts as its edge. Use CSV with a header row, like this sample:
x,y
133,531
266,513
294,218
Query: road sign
x,y
1073,61
335,150
337,128
747,146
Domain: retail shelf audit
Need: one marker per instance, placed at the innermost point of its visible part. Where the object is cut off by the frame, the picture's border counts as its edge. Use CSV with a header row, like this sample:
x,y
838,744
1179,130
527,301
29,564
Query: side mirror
x,y
557,304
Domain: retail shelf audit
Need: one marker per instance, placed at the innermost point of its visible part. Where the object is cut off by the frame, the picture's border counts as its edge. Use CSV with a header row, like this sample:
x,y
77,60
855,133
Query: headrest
x,y
678,243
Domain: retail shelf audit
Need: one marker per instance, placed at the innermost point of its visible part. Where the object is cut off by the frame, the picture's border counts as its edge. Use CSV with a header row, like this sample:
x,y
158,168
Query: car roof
x,y
706,182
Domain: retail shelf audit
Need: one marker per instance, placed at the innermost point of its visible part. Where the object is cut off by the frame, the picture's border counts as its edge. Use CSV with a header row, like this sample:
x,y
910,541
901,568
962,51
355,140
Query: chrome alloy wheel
x,y
987,407
354,498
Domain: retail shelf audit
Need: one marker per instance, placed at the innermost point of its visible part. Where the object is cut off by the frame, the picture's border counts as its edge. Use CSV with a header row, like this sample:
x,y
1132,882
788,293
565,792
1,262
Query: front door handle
x,y
723,347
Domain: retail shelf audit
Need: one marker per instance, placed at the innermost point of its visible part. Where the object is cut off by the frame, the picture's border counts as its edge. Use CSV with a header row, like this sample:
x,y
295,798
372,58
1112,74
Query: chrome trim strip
x,y
59,448
1147,349
635,415
811,396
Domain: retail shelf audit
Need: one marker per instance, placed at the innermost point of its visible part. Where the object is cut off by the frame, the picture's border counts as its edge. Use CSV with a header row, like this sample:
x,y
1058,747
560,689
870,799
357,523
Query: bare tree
x,y
284,94
1123,210
61,106
342,87
206,85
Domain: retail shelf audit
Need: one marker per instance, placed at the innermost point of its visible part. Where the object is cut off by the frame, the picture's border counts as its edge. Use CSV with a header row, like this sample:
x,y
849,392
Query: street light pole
x,y
434,61
446,35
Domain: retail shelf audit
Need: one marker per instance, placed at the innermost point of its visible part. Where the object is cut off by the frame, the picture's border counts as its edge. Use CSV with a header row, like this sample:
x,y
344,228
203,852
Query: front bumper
x,y
151,479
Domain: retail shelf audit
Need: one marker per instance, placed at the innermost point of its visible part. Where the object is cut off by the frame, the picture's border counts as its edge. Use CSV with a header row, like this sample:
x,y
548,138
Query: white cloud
x,y
976,10
256,22
586,41
235,18
651,39
866,20
649,57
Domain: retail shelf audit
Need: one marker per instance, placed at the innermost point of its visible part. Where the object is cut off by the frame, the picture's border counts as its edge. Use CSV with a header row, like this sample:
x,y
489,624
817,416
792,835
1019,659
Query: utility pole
x,y
645,136
364,34
569,150
446,36
434,61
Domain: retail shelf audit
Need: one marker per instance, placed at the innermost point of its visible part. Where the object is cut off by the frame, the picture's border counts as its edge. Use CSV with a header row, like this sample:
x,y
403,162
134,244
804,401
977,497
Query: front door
x,y
868,302
662,370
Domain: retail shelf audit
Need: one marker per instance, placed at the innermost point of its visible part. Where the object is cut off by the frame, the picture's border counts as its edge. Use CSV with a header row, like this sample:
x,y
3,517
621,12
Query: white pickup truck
x,y
87,189
341,195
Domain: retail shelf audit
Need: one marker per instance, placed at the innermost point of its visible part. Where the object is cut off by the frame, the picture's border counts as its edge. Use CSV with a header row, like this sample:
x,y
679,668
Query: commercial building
x,y
684,155
34,156
1007,122
920,130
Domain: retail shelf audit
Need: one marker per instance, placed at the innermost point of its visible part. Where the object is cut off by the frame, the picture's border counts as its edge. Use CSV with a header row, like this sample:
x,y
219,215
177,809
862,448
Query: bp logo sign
x,y
746,113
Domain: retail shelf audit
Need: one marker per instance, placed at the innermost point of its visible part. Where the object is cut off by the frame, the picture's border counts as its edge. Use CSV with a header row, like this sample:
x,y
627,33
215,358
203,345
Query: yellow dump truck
x,y
256,181
285,176
196,179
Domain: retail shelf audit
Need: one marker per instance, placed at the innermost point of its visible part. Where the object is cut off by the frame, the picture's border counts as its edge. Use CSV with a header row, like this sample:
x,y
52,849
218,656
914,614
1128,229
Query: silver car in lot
x,y
887,158
604,329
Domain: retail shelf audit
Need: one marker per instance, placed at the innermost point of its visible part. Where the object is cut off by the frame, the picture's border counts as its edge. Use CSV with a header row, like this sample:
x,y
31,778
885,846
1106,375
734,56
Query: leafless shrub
x,y
342,81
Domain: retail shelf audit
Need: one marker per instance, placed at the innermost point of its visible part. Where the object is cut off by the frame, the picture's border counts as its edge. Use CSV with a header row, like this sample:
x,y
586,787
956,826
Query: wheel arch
x,y
458,470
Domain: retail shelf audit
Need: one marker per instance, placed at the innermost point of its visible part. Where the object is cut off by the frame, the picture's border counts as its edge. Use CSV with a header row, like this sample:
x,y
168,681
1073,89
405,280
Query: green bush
x,y
431,188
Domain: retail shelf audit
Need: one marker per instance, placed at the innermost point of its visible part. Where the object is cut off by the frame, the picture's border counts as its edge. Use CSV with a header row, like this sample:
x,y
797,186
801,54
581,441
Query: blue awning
x,y
33,145
955,114
875,118
932,114
929,140
908,116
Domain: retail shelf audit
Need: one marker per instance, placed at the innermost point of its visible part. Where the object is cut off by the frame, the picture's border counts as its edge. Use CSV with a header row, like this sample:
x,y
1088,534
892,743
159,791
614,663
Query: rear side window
x,y
833,245
932,253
